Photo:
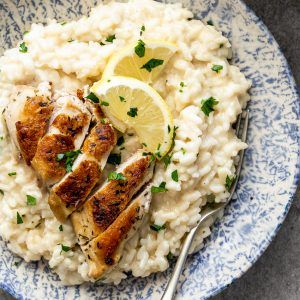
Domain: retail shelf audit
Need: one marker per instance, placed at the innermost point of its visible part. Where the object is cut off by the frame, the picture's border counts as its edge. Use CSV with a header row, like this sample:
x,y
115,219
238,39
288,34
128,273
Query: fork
x,y
207,212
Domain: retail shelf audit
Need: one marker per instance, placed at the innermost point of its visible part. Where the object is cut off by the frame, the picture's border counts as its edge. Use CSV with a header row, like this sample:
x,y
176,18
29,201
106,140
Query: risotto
x,y
73,55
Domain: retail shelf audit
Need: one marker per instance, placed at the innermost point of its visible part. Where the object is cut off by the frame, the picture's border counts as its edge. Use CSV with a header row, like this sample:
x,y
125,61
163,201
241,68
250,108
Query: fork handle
x,y
171,287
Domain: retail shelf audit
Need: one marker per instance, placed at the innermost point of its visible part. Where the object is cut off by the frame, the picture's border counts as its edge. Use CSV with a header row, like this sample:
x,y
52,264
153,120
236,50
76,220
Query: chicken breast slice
x,y
27,118
69,125
74,188
105,251
102,209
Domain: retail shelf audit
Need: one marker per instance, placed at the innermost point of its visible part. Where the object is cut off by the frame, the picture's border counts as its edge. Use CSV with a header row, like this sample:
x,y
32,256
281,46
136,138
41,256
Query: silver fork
x,y
207,212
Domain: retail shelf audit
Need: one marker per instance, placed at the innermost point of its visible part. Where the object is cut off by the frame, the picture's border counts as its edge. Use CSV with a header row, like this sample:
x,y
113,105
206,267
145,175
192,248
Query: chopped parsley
x,y
182,85
17,263
12,174
122,99
229,181
174,136
69,157
157,228
93,97
207,105
169,129
103,121
210,22
167,159
152,63
1,192
104,103
65,248
170,256
142,30
110,38
25,32
70,40
31,200
61,228
152,156
116,176
144,144
19,218
140,49
183,151
132,112
217,68
120,141
159,189
23,48
1,138
114,159
63,23
174,175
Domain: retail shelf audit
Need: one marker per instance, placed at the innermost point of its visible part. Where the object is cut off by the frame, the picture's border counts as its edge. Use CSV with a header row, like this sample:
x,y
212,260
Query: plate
x,y
268,181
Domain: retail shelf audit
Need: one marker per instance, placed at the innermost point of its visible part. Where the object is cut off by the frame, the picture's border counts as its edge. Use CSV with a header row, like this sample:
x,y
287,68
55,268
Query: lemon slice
x,y
143,60
131,103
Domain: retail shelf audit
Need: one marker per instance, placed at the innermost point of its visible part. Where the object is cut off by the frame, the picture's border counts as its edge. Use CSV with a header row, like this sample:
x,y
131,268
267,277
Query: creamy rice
x,y
71,57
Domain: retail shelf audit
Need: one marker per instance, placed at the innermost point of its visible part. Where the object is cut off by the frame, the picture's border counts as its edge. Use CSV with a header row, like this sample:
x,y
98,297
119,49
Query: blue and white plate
x,y
267,184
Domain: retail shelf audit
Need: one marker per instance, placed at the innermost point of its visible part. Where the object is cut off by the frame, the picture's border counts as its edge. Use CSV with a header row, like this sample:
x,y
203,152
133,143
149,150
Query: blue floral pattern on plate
x,y
268,182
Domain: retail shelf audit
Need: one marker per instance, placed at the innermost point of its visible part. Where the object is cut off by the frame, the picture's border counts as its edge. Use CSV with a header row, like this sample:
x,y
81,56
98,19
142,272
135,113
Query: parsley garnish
x,y
142,29
65,248
120,140
31,200
25,32
152,156
229,181
19,219
116,176
167,159
23,48
144,144
1,192
169,129
182,85
93,97
122,99
174,175
70,40
207,105
110,38
170,256
61,228
17,263
140,49
210,22
217,68
152,63
183,151
114,159
63,23
12,174
157,228
70,157
104,103
132,112
159,189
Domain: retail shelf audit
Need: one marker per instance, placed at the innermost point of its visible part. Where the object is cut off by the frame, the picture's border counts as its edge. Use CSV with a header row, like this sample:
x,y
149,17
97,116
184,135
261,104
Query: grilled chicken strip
x,y
73,189
104,251
28,118
102,209
68,127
